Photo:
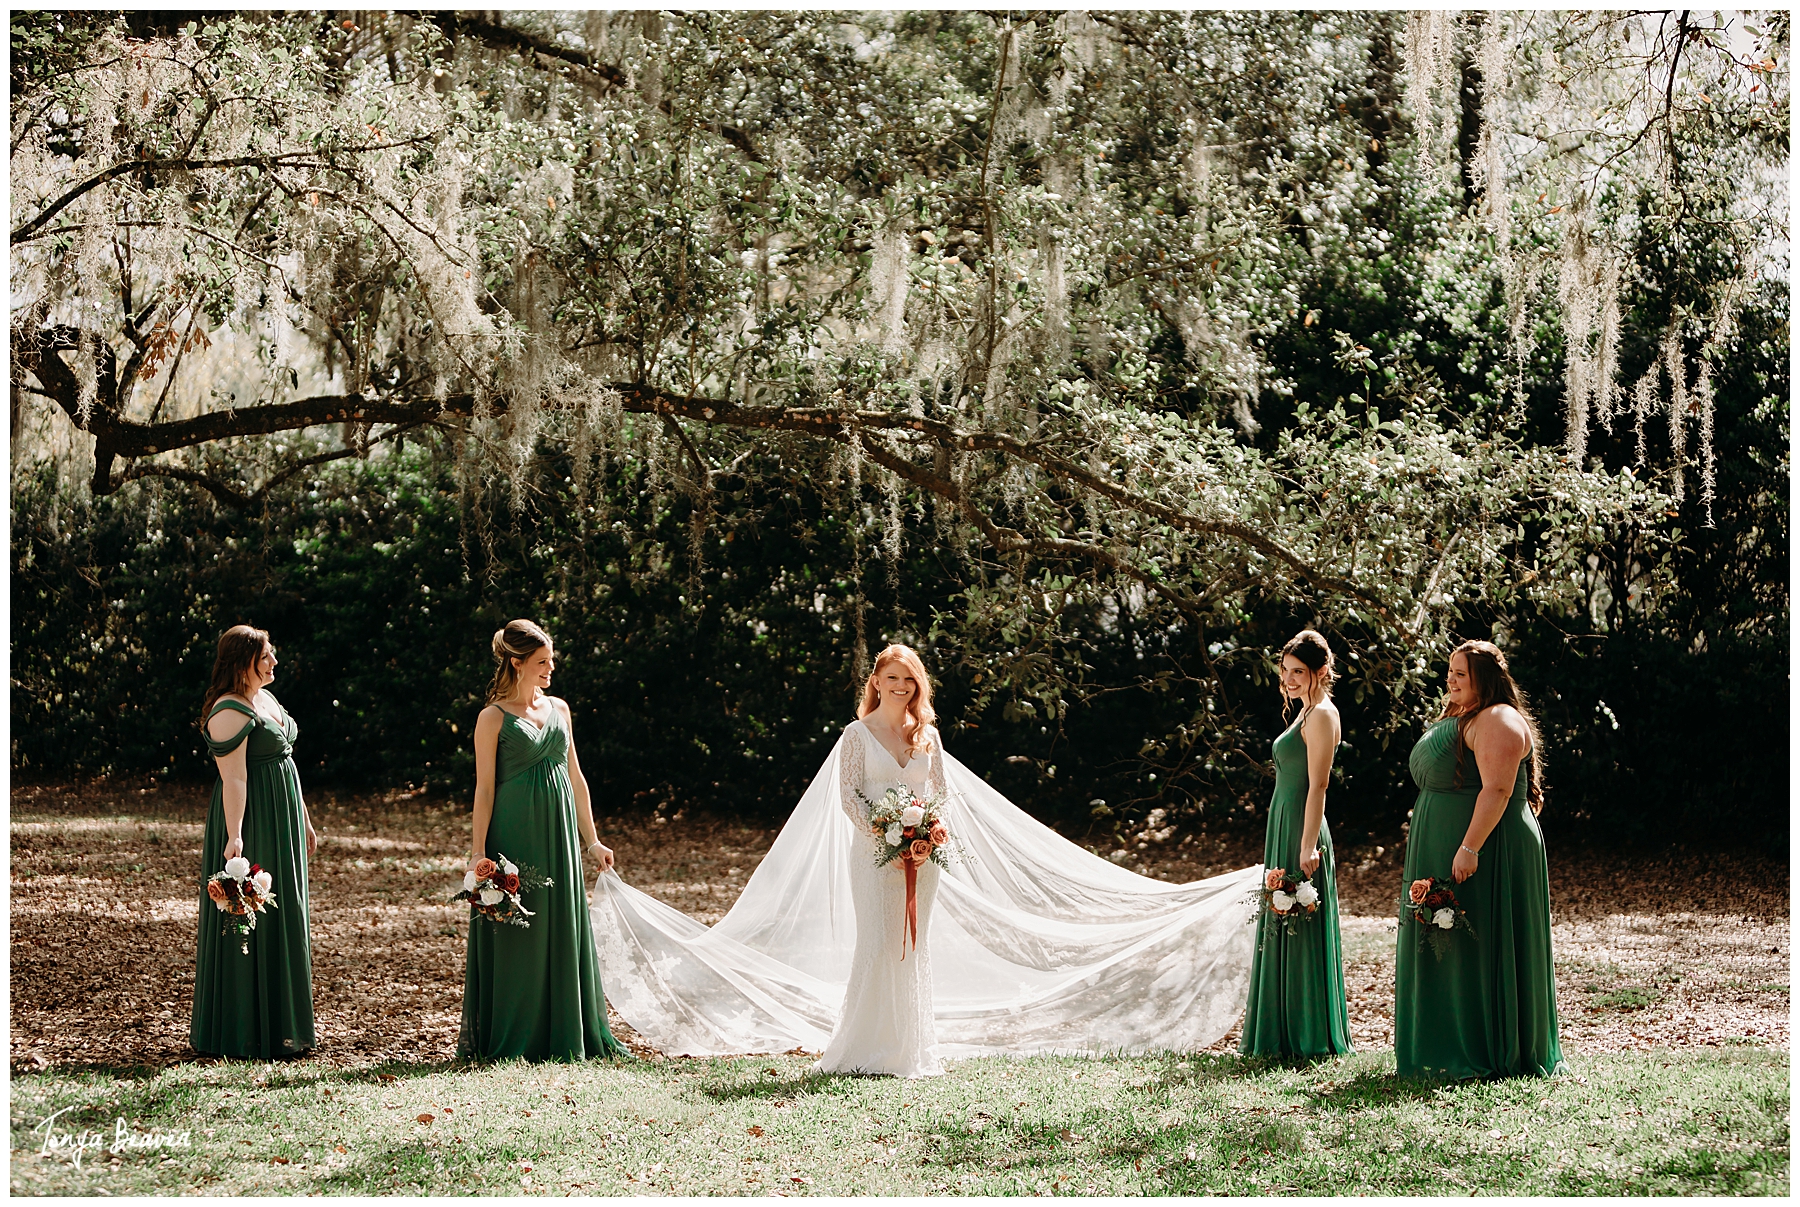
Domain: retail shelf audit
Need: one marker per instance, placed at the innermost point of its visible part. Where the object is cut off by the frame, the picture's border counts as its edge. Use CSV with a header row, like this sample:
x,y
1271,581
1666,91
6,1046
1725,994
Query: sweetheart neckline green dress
x,y
534,992
257,1005
1488,1008
1297,1005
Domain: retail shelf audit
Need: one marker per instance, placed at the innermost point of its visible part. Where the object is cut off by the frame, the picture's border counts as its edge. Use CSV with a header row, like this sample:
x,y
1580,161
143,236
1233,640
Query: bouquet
x,y
492,889
908,828
1432,904
242,891
1287,899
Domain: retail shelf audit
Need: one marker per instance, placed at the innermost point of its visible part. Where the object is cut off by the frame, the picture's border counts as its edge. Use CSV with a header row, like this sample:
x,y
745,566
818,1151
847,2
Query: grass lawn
x,y
1712,1122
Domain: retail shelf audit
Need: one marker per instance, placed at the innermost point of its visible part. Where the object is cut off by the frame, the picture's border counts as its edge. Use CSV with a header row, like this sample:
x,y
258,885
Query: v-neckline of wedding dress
x,y
876,738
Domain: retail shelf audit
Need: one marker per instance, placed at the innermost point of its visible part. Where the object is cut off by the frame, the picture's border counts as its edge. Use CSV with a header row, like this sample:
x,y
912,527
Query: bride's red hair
x,y
918,709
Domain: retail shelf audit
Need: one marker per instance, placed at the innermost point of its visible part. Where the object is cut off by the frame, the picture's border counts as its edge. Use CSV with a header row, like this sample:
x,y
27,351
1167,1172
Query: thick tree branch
x,y
117,436
291,159
517,39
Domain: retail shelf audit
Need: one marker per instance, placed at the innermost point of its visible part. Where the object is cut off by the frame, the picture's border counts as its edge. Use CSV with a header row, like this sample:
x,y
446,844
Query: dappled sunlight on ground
x,y
103,927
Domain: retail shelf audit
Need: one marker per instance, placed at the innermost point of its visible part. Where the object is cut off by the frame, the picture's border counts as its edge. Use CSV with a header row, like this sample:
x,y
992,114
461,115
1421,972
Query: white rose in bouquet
x,y
1281,901
492,896
912,815
506,865
237,867
264,882
1444,918
893,835
469,881
1306,894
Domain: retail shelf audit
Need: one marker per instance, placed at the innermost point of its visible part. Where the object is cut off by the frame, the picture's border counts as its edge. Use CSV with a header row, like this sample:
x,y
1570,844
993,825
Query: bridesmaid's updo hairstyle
x,y
1493,684
1310,648
520,639
918,709
239,648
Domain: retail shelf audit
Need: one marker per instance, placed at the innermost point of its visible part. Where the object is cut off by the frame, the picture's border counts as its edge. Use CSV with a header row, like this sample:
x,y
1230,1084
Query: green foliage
x,y
1095,352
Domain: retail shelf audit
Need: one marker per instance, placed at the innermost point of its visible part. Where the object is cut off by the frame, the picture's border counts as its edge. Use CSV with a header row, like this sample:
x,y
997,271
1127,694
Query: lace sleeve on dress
x,y
850,777
934,766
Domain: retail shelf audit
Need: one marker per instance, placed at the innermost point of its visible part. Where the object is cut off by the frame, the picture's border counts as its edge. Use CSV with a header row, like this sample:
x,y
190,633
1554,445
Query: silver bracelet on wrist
x,y
1461,847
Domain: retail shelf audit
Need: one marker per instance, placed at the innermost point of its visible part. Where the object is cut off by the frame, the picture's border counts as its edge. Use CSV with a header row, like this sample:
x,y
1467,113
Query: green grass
x,y
1711,1122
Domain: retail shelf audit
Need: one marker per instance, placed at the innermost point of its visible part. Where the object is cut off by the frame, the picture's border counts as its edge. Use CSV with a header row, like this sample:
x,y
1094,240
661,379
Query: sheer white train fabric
x,y
1036,944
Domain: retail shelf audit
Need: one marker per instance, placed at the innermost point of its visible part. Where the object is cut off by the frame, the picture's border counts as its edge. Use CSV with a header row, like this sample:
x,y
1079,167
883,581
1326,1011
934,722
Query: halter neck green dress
x,y
257,1005
1297,1005
535,991
1488,1008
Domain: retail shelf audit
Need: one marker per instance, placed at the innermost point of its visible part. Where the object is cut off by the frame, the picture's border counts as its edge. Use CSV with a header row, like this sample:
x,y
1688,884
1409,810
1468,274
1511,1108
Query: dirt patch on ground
x,y
1672,950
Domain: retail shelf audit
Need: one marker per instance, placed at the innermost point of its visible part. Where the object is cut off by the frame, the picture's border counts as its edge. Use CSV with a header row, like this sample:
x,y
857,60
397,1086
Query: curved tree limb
x,y
116,436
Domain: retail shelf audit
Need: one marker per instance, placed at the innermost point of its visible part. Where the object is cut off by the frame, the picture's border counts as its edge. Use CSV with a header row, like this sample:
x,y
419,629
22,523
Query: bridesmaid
x,y
257,1005
533,992
1488,1009
1297,1005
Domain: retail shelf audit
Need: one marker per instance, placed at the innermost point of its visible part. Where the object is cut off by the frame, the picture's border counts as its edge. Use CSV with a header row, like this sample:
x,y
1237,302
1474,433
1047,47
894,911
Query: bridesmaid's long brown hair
x,y
1493,684
239,648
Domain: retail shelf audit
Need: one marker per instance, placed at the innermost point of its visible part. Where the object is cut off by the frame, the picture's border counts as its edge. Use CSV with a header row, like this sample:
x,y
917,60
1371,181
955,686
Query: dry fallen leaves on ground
x,y
1675,950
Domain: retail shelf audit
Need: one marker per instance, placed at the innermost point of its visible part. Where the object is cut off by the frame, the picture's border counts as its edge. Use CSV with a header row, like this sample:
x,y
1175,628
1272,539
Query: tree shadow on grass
x,y
1373,1088
771,1084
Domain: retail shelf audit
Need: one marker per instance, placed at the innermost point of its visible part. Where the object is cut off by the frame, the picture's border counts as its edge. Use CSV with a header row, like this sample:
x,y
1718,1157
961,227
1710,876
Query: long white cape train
x,y
1036,944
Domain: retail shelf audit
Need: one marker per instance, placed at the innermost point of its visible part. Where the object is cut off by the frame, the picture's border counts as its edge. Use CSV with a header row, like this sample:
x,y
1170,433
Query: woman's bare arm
x,y
234,774
1320,732
1500,741
487,743
584,808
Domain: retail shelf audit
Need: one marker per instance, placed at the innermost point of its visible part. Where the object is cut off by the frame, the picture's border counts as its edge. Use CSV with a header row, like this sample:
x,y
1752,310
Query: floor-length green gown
x,y
535,991
257,1005
1297,1005
1488,1008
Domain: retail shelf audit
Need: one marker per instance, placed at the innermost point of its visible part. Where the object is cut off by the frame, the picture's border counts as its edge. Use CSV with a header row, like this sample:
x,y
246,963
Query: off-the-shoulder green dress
x,y
257,1005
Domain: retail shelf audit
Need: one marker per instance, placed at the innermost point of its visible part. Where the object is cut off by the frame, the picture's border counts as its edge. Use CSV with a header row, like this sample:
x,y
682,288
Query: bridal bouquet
x,y
1433,905
242,891
1287,899
909,828
492,889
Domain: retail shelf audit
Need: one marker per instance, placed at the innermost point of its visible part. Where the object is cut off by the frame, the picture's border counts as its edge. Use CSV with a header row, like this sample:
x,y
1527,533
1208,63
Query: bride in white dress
x,y
1027,944
886,1025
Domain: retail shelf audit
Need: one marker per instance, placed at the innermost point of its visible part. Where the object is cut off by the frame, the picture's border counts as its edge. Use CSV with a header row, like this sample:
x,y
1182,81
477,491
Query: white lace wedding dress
x,y
886,1024
1030,944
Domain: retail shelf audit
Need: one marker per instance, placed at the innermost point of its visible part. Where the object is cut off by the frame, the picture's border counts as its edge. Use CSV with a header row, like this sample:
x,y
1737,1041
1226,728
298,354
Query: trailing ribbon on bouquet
x,y
912,904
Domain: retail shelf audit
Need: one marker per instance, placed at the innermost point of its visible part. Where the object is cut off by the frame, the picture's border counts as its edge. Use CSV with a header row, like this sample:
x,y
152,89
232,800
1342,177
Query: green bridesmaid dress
x,y
1297,1005
1488,1008
535,991
257,1005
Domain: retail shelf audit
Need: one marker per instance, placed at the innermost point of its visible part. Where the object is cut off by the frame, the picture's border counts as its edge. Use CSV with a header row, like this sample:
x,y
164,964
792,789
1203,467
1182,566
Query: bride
x,y
886,1024
1026,943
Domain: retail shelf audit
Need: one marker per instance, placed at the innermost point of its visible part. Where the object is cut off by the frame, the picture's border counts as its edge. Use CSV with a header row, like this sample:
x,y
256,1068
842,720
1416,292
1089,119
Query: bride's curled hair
x,y
519,639
920,715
